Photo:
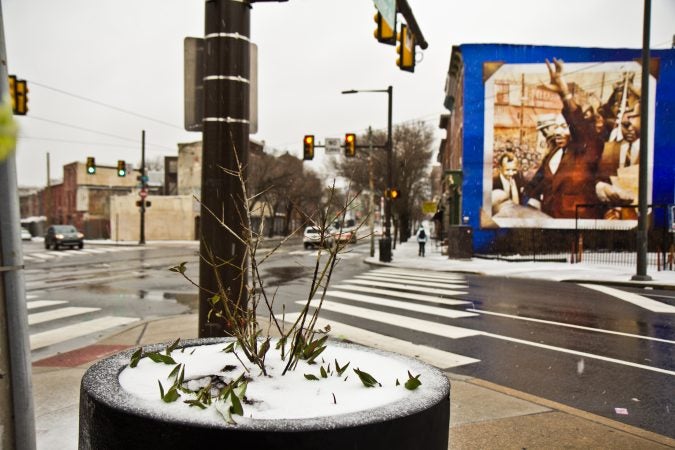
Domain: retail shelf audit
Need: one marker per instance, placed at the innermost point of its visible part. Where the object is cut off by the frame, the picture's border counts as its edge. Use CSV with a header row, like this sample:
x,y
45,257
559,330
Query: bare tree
x,y
412,158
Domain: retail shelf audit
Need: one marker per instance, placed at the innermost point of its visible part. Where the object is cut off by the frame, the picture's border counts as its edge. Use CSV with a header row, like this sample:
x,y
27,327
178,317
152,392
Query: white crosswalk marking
x,y
395,279
407,287
424,326
406,295
59,313
417,277
433,310
51,337
635,299
438,358
42,303
420,273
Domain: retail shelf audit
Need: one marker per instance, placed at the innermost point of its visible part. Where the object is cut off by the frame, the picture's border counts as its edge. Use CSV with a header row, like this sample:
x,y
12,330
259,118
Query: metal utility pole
x,y
225,147
371,186
642,235
385,242
144,191
48,194
17,419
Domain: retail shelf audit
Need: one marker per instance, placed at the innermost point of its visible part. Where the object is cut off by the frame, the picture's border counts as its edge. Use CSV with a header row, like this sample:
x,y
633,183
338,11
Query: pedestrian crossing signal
x,y
121,168
308,147
350,145
91,165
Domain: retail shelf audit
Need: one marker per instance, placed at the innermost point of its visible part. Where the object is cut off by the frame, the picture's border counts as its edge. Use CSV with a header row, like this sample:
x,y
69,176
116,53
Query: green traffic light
x,y
91,170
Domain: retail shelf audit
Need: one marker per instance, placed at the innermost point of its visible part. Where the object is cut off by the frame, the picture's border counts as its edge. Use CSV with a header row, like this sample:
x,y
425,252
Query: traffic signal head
x,y
350,145
308,147
121,168
91,165
384,33
21,92
392,193
12,91
406,49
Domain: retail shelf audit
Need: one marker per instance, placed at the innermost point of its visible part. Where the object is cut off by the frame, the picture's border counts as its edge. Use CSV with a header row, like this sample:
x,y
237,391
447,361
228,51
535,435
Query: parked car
x,y
344,235
63,235
312,238
25,235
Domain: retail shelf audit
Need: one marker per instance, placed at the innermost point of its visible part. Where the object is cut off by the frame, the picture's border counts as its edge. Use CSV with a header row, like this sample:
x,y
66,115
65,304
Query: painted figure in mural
x,y
566,177
508,181
618,167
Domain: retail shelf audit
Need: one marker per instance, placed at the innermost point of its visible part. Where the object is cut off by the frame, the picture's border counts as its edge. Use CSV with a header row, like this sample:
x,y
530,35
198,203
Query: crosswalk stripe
x,y
406,295
430,355
47,338
414,276
425,326
43,255
635,299
394,279
421,273
425,309
59,313
407,287
95,250
42,303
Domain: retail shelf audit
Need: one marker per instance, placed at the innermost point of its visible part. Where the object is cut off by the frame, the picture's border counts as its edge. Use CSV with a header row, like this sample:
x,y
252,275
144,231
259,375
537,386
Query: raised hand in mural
x,y
559,85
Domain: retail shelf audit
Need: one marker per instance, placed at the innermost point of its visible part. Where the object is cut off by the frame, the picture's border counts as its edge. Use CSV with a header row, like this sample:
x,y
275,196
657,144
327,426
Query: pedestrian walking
x,y
421,240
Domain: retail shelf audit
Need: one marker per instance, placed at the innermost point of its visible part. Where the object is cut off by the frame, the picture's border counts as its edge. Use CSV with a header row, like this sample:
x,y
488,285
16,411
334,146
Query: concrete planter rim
x,y
101,383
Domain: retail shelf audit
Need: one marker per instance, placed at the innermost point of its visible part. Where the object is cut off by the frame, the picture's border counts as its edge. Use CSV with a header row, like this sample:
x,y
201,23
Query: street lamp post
x,y
385,243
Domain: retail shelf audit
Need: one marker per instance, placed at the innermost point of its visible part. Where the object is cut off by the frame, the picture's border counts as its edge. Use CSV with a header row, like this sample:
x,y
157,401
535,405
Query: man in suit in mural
x,y
509,180
566,177
618,169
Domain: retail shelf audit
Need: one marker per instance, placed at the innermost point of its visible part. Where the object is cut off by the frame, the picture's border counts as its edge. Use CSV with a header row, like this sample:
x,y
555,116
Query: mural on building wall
x,y
558,136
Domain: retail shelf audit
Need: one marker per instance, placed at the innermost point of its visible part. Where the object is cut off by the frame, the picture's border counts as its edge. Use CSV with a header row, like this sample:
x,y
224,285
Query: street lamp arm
x,y
354,91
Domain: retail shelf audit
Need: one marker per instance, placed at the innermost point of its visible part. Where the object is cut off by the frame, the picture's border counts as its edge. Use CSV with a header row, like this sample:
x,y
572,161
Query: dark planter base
x,y
109,419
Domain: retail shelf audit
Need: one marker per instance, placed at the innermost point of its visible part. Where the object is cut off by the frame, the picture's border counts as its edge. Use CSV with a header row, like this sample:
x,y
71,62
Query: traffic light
x,y
308,147
350,145
392,193
406,49
384,33
121,168
18,91
91,165
12,91
21,90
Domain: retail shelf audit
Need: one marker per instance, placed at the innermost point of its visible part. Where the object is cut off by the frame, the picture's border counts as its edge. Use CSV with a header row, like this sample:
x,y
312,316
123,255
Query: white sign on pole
x,y
332,145
388,10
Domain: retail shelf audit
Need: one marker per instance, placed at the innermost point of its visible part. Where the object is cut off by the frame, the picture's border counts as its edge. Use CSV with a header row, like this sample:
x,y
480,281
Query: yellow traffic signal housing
x,y
350,145
91,165
406,49
21,90
384,33
18,91
121,168
12,91
308,147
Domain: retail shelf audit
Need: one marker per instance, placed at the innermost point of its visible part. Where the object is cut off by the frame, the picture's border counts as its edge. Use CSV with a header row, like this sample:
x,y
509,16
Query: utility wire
x,y
77,127
106,105
66,141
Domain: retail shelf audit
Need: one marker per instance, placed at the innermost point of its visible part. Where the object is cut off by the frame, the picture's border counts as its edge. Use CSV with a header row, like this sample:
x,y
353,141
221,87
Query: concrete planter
x,y
111,419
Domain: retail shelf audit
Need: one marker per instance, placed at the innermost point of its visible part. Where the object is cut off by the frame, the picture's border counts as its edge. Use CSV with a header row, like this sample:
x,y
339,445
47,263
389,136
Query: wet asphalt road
x,y
582,348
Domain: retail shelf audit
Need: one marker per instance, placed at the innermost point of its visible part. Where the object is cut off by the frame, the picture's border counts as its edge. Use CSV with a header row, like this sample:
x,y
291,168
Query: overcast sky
x,y
127,56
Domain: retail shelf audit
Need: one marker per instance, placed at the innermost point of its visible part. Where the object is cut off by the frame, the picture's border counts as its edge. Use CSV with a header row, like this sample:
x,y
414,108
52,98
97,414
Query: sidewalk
x,y
483,415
